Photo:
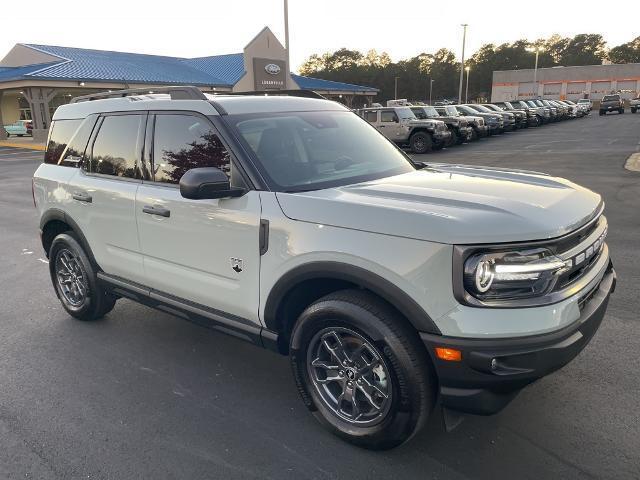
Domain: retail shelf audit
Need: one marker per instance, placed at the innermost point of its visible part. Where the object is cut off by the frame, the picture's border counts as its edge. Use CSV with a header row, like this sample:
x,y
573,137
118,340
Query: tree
x,y
626,53
584,49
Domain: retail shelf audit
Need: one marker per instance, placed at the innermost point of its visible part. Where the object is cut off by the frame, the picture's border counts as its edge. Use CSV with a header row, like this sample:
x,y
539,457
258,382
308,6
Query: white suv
x,y
293,224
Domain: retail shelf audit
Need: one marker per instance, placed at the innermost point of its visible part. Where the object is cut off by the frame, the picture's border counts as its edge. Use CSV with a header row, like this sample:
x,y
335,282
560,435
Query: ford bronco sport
x,y
293,224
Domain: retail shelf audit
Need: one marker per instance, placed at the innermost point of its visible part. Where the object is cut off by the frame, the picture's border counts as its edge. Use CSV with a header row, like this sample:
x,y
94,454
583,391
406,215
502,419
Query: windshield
x,y
298,151
451,111
481,108
495,108
584,100
405,113
532,103
463,109
422,113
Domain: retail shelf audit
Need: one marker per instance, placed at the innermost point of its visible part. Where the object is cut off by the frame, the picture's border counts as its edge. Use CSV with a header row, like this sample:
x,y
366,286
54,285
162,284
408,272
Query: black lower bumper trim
x,y
492,371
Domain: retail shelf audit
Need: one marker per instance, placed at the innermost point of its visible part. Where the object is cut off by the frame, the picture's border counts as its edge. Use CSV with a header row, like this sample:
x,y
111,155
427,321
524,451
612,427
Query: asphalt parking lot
x,y
142,394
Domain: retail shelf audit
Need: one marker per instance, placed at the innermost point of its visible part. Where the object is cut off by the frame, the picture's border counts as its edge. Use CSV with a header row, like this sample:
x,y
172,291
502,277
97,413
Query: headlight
x,y
512,274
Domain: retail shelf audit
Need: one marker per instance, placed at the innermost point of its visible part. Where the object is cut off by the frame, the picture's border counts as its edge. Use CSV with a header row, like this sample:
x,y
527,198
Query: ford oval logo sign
x,y
272,69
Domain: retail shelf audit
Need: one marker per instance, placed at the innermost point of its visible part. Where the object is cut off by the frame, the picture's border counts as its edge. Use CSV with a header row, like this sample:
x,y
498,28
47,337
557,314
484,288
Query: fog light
x,y
448,354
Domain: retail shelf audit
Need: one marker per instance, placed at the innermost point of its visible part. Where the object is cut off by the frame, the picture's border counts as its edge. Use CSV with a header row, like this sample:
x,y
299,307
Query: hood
x,y
427,121
452,204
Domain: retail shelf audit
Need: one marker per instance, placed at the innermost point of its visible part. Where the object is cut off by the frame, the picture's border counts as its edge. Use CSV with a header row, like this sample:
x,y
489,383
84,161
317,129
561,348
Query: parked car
x,y
634,104
520,116
460,130
546,111
586,102
535,115
401,126
575,110
509,119
292,224
19,128
611,103
477,123
494,121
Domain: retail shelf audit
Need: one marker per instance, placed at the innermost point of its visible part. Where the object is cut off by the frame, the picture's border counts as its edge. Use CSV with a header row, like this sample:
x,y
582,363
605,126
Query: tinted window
x,y
371,116
59,135
117,147
611,98
183,142
388,116
73,156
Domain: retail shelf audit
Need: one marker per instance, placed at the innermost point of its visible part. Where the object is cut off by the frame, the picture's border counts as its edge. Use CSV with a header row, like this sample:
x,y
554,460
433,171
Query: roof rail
x,y
269,93
177,93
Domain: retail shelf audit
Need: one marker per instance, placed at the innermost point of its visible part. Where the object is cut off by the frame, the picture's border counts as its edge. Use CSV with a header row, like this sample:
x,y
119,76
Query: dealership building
x,y
36,79
572,83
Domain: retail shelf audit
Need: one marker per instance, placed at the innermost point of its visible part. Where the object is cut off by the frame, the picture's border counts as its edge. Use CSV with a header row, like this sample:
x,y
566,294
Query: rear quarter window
x,y
61,132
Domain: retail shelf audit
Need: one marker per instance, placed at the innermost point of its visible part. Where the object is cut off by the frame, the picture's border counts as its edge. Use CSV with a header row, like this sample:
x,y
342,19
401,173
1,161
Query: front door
x,y
389,124
203,251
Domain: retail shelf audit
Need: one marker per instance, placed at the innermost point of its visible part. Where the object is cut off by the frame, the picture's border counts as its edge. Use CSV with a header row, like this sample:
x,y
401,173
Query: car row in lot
x,y
19,128
423,128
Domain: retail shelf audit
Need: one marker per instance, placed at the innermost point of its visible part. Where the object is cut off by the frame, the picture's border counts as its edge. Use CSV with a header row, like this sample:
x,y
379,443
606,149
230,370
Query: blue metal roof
x,y
310,83
229,68
80,64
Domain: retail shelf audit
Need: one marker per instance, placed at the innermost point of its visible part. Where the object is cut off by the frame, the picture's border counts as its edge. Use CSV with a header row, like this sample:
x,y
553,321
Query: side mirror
x,y
396,119
207,183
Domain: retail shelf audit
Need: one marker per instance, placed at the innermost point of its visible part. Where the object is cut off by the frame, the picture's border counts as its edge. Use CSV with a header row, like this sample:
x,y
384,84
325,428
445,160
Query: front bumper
x,y
481,130
441,136
492,371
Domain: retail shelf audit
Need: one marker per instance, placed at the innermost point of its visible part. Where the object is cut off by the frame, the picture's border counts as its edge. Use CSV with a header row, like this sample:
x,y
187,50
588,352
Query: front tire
x,y
75,281
420,142
361,370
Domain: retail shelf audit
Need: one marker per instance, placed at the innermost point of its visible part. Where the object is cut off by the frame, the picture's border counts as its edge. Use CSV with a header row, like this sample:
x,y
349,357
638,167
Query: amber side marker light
x,y
448,354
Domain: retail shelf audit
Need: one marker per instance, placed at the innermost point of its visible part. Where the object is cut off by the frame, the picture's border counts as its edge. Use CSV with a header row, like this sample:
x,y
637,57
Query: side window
x,y
371,117
116,149
388,116
183,142
73,156
60,133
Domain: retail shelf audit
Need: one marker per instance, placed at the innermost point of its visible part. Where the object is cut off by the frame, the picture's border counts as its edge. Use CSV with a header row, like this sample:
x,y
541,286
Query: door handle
x,y
156,210
82,197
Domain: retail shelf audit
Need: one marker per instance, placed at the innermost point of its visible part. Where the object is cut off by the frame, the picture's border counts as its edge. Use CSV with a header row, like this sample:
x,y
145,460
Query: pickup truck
x,y
19,128
611,103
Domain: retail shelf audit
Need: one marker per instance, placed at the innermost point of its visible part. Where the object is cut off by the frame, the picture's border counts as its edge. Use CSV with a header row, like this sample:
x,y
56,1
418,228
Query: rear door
x,y
103,193
203,251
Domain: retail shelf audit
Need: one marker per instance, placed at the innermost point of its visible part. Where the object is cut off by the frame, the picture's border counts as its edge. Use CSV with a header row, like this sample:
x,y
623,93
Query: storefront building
x,y
36,79
572,83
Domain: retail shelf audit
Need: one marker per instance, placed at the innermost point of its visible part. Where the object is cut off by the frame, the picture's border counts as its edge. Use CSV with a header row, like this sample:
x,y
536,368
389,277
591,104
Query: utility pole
x,y
430,90
395,91
466,93
286,41
464,39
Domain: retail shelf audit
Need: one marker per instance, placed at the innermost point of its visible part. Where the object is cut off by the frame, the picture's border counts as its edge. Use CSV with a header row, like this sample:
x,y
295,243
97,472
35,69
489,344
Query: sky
x,y
197,28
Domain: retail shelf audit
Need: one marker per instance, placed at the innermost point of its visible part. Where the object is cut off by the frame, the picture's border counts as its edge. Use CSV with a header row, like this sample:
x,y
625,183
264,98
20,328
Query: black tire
x,y
91,301
474,135
403,363
453,139
621,111
633,110
420,142
601,112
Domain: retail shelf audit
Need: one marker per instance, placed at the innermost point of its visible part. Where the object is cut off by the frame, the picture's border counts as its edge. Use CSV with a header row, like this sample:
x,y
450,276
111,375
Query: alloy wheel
x,y
70,277
350,376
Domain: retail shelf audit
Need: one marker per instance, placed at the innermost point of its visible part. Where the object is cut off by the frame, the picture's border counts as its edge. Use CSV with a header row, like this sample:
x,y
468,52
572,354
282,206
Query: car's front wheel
x,y
420,142
362,370
75,280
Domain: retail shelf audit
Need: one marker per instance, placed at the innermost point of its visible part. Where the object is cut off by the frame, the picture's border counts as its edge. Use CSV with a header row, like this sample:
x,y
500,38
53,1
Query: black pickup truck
x,y
611,103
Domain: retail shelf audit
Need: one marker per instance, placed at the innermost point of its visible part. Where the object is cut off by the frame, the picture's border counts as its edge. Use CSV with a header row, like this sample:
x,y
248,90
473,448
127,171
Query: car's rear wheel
x,y
75,281
362,370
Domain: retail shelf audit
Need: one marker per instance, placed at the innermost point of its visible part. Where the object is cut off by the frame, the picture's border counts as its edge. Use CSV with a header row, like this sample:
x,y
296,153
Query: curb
x,y
633,162
41,148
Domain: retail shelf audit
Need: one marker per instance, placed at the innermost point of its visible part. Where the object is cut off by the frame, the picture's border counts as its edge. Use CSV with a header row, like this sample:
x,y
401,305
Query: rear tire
x,y
75,281
601,112
361,370
420,142
621,111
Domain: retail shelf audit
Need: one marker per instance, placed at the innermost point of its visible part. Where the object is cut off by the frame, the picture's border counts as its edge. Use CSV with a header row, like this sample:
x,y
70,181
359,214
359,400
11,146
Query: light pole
x,y
535,69
395,89
430,90
464,39
466,93
286,41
